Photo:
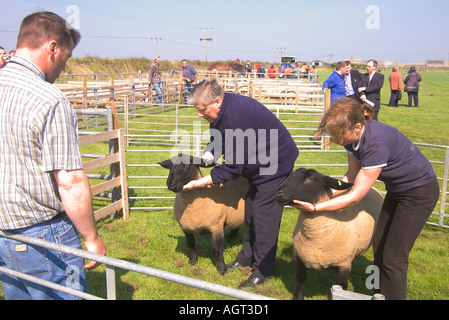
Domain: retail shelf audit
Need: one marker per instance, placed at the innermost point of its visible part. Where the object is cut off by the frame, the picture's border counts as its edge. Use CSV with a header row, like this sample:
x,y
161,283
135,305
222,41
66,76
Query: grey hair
x,y
205,93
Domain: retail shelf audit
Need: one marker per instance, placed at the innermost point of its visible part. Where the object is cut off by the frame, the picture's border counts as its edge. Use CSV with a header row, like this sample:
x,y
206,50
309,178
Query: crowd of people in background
x,y
284,70
346,82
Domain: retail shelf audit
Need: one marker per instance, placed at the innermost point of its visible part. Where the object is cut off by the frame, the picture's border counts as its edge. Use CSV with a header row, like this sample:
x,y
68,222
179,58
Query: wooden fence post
x,y
118,181
181,86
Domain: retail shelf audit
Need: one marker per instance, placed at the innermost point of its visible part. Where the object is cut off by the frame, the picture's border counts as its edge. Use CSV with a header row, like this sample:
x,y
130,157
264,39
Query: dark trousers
x,y
263,219
401,220
393,98
376,115
413,96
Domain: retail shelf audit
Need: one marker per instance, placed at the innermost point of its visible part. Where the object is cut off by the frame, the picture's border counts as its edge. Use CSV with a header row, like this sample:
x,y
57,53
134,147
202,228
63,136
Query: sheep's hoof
x,y
298,296
193,256
222,268
299,293
222,272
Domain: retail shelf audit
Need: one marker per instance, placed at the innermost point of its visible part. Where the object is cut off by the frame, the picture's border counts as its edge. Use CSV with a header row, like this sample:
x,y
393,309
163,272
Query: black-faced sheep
x,y
213,209
328,239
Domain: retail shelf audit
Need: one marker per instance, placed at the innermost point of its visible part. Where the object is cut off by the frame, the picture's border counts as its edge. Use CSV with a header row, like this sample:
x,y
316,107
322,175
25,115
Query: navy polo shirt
x,y
403,165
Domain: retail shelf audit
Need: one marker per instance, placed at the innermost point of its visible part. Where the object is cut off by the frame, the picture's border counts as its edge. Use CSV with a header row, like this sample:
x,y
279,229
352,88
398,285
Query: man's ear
x,y
53,47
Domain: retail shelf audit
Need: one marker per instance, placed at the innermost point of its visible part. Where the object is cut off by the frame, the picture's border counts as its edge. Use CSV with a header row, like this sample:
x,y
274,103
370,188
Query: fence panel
x,y
159,131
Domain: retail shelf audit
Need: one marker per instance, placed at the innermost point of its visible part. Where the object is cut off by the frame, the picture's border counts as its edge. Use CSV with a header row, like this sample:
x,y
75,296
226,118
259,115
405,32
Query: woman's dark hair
x,y
343,115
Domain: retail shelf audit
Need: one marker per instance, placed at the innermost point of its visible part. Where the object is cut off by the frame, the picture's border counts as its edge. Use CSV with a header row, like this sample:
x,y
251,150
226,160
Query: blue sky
x,y
404,31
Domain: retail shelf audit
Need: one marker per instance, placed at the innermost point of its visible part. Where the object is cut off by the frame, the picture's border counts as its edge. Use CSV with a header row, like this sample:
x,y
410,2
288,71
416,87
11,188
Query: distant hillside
x,y
90,65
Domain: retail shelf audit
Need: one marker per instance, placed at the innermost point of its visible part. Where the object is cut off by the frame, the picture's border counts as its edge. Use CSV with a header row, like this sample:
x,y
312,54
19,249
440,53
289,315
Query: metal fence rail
x,y
112,263
196,148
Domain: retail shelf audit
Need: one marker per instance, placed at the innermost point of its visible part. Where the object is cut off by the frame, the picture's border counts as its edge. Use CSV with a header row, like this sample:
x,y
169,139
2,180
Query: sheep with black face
x,y
328,239
213,209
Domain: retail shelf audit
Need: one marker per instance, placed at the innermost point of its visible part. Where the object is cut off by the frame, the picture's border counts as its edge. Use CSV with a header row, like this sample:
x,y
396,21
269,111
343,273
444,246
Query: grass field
x,y
153,238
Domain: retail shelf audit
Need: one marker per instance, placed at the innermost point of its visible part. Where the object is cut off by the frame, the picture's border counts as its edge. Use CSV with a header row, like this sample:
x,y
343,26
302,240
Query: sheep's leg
x,y
301,277
218,246
193,255
343,275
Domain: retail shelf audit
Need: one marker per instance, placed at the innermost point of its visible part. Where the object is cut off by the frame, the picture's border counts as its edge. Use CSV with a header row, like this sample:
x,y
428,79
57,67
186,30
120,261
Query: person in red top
x,y
272,72
395,87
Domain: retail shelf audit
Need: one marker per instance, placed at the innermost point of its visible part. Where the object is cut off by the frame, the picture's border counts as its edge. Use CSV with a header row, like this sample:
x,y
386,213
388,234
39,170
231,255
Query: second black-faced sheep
x,y
212,209
328,239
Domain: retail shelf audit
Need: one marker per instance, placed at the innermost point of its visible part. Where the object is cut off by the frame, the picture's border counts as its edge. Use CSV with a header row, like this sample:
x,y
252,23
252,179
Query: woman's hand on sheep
x,y
304,206
194,184
200,183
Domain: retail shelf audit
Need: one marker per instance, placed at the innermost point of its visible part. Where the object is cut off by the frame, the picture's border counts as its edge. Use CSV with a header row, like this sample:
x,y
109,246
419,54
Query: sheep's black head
x,y
307,185
183,169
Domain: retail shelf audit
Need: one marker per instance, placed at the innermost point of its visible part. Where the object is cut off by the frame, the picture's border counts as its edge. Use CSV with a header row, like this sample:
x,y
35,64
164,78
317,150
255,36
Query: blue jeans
x,y
412,97
53,266
188,87
158,88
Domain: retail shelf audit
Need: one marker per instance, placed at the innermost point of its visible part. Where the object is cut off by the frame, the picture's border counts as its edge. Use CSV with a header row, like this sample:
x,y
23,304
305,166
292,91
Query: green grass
x,y
153,238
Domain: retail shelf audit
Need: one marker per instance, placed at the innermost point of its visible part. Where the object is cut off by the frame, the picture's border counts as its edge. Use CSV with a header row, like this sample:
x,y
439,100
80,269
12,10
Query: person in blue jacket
x,y
258,147
379,151
335,81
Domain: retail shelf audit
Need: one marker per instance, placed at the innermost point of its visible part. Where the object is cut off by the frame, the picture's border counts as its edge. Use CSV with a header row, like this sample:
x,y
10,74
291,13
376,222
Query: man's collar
x,y
29,65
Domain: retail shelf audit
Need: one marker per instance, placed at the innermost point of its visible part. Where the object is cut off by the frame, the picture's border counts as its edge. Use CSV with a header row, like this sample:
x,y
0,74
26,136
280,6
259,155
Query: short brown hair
x,y
39,27
344,114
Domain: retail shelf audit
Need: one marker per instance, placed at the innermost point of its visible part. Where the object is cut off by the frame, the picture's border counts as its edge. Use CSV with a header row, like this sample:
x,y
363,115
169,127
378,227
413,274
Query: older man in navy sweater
x,y
258,147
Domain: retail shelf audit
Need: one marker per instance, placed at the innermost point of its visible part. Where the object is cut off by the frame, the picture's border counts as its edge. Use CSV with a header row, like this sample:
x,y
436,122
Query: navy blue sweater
x,y
255,144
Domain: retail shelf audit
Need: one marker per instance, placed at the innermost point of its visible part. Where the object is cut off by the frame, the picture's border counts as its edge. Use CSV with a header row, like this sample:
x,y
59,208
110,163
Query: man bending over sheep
x,y
248,132
378,151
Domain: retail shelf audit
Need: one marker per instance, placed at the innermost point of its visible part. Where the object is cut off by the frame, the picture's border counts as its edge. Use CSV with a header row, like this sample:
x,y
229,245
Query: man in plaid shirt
x,y
44,191
154,77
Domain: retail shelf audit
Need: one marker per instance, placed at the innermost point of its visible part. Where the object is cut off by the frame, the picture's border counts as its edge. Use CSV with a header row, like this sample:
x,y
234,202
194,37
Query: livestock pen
x,y
190,134
179,129
152,238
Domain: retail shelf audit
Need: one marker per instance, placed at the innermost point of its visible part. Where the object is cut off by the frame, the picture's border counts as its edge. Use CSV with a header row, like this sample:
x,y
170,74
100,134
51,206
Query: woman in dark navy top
x,y
258,147
379,151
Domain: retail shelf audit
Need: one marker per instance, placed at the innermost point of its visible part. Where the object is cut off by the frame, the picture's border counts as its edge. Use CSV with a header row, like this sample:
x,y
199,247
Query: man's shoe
x,y
233,265
251,282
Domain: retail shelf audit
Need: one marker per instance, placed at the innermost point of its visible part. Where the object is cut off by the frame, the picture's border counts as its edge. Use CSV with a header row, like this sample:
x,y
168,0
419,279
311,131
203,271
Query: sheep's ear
x,y
166,164
336,184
